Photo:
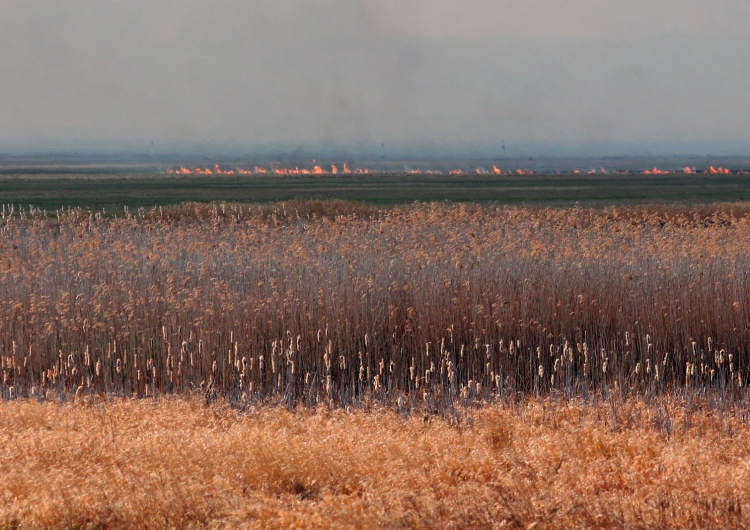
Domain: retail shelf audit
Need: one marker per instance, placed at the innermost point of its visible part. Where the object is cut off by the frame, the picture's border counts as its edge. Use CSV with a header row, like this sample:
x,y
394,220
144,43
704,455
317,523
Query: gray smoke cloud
x,y
576,77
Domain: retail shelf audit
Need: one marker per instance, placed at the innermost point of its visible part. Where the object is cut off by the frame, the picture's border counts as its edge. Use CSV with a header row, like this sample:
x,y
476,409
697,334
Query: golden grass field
x,y
329,364
177,463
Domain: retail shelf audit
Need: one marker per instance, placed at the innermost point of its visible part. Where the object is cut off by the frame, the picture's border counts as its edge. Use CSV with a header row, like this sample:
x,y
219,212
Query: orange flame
x,y
344,169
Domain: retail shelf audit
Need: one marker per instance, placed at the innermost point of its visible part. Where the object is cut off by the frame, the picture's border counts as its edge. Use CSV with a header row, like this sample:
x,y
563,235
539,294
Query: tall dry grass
x,y
432,306
176,463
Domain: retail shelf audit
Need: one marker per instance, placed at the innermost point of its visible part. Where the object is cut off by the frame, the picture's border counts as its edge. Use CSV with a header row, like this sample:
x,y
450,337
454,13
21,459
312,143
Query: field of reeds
x,y
330,364
427,306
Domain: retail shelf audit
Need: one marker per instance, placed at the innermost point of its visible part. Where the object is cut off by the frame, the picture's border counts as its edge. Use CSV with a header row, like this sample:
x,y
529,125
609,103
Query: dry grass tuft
x,y
176,463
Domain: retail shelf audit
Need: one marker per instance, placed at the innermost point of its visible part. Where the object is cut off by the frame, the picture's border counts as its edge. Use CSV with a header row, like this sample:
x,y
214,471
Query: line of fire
x,y
344,169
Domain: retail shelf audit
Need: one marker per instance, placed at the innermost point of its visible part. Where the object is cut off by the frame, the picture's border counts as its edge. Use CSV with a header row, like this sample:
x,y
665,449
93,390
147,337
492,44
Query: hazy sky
x,y
545,76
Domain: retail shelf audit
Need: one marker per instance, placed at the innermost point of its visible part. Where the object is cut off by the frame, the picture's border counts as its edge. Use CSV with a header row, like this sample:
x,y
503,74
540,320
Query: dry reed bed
x,y
176,463
427,305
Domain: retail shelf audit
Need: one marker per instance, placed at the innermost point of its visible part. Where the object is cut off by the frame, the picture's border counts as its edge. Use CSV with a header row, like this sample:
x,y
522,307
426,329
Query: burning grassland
x,y
345,169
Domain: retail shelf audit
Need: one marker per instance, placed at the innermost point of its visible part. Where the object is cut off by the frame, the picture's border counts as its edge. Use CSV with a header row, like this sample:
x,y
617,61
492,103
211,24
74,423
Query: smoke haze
x,y
546,77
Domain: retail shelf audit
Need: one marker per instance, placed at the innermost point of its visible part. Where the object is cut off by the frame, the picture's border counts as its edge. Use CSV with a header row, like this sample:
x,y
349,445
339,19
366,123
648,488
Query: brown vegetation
x,y
176,463
446,366
337,303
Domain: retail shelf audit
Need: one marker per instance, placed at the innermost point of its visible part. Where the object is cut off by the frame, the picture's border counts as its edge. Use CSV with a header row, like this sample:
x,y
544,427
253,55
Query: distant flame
x,y
344,169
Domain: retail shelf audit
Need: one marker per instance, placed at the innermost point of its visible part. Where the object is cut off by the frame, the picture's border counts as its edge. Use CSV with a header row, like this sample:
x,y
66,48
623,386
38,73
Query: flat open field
x,y
112,191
